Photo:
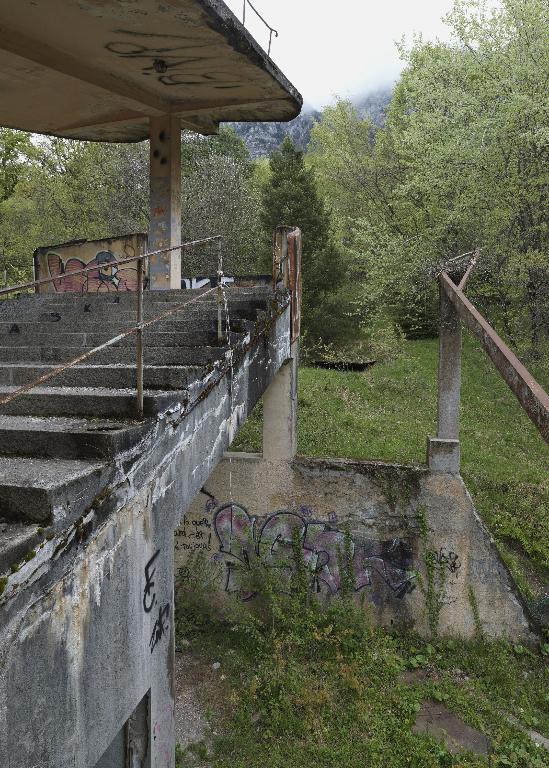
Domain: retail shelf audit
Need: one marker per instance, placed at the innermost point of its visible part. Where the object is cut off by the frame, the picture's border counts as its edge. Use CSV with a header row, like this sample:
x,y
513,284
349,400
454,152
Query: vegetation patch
x,y
388,411
308,685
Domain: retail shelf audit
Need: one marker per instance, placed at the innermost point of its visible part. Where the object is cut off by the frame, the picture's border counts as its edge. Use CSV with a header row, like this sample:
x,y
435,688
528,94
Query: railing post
x,y
444,450
139,339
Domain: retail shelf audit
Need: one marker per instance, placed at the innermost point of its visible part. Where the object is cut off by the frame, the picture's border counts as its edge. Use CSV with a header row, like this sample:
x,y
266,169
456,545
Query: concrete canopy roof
x,y
98,69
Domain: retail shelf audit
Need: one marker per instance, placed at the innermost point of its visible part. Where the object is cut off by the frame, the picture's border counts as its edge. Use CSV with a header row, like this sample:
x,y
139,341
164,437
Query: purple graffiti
x,y
379,565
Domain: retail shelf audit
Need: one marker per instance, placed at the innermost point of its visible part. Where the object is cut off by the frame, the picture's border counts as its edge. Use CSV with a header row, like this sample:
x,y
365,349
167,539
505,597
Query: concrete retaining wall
x,y
421,557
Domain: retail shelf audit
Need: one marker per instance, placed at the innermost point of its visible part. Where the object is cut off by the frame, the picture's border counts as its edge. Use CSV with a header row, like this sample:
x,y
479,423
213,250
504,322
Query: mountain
x,y
263,138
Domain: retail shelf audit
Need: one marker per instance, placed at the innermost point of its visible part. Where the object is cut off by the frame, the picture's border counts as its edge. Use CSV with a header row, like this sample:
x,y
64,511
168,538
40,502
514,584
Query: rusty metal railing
x,y
272,30
455,309
140,325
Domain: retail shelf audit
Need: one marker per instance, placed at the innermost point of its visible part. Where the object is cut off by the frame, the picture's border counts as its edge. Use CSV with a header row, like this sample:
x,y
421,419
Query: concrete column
x,y
443,451
165,202
280,412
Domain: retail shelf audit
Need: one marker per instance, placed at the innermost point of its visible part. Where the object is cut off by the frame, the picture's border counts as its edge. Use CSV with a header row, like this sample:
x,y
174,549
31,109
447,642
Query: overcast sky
x,y
342,47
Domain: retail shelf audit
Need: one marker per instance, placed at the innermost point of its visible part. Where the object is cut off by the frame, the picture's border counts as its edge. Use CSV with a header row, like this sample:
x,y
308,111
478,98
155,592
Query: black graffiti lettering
x,y
149,597
449,560
161,626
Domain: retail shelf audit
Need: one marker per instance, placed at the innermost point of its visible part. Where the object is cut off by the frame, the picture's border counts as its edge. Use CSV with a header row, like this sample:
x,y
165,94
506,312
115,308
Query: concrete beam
x,y
165,202
449,370
280,413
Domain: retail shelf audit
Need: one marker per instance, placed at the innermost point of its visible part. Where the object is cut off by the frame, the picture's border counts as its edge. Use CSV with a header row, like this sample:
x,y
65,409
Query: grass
x,y
306,687
388,411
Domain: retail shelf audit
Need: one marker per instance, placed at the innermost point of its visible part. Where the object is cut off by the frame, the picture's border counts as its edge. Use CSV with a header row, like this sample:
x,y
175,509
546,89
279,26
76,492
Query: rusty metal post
x,y
220,290
444,451
139,339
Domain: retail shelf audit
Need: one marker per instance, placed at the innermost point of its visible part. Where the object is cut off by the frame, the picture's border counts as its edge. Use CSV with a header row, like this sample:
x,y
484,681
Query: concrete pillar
x,y
165,202
443,451
280,412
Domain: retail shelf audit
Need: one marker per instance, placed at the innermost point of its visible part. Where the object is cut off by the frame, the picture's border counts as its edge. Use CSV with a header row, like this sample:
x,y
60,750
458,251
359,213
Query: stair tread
x,y
90,391
44,474
63,424
110,366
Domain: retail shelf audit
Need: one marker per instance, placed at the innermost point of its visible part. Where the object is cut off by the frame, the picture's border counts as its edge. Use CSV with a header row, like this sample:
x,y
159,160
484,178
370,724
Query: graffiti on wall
x,y
64,262
381,567
161,626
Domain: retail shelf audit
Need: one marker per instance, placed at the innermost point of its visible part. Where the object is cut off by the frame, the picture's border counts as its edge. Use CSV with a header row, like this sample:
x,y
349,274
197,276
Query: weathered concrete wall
x,y
420,554
86,625
63,260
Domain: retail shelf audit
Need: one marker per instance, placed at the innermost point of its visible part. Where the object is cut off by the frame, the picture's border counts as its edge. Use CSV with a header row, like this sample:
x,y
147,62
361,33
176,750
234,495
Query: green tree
x,y
15,151
290,196
74,189
463,161
220,195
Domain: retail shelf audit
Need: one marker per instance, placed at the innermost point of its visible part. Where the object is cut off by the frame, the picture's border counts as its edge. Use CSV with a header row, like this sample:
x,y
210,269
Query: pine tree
x,y
291,197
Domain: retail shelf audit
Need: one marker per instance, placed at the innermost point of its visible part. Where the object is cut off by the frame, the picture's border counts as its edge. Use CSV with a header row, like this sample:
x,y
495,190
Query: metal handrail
x,y
272,30
140,323
529,393
137,257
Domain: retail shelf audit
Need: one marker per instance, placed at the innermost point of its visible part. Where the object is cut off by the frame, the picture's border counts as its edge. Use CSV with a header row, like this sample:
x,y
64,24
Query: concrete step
x,y
154,355
56,311
95,402
16,541
42,490
111,376
115,297
62,437
206,321
196,338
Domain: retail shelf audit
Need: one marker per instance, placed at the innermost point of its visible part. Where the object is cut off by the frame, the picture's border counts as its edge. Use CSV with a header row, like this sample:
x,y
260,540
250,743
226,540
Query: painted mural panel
x,y
63,261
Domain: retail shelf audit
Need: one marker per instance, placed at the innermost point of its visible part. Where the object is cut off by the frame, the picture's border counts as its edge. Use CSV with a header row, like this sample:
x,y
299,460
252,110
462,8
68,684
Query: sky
x,y
343,47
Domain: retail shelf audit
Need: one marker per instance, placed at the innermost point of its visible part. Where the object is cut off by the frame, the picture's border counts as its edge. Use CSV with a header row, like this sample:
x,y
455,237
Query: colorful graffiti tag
x,y
65,262
382,567
105,277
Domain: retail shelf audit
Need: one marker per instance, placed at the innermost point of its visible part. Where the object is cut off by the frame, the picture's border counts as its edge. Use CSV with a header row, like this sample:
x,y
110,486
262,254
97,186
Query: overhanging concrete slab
x,y
99,69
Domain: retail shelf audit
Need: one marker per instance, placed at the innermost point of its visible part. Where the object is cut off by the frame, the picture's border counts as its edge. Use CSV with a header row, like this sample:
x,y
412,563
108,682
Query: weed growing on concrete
x,y
321,686
479,633
433,587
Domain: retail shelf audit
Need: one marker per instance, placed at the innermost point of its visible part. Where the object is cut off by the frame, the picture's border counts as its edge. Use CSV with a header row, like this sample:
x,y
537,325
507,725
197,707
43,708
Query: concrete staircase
x,y
58,439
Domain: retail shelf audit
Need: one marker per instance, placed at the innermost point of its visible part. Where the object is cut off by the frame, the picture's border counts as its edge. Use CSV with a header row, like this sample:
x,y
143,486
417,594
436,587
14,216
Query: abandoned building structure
x,y
120,393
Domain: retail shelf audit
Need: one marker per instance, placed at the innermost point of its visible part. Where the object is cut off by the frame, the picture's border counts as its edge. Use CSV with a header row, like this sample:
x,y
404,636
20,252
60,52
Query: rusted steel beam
x,y
526,389
220,292
468,271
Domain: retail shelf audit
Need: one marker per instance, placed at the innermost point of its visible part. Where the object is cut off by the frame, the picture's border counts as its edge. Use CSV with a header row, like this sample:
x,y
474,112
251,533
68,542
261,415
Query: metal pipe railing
x,y
272,30
530,394
140,325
